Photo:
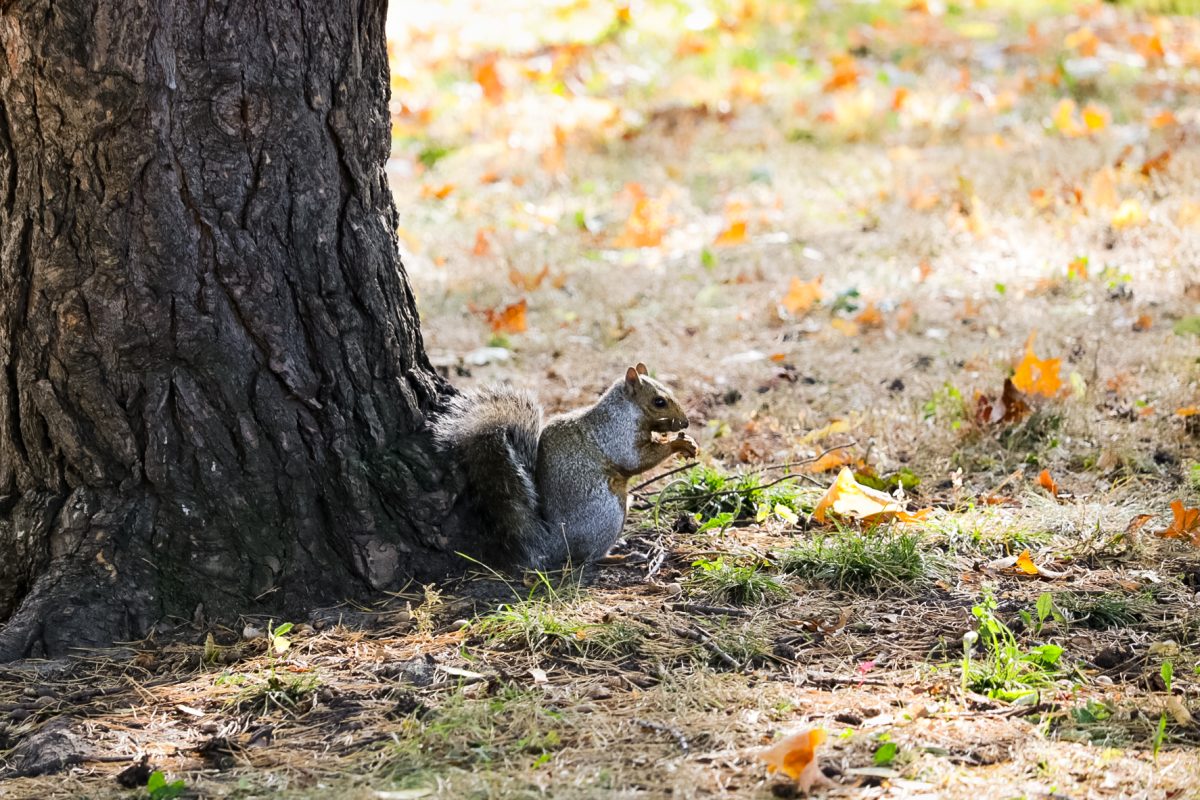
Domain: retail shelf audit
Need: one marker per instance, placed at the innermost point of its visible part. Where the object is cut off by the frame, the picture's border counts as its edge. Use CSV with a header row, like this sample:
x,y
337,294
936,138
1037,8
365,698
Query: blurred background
x,y
810,211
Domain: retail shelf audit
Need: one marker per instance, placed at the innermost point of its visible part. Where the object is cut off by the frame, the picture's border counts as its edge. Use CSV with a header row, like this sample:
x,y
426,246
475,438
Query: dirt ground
x,y
835,230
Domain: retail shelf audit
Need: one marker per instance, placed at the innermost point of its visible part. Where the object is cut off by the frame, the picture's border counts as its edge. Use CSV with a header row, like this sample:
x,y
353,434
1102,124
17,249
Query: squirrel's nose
x,y
685,423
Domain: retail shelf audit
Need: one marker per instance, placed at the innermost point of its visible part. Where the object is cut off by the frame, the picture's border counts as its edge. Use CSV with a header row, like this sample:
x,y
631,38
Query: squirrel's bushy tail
x,y
494,431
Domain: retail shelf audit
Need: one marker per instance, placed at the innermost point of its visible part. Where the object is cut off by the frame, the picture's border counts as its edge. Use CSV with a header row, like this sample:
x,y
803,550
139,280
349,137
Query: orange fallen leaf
x,y
1046,482
1078,268
1156,164
802,295
510,319
796,757
1137,523
1037,375
848,498
869,317
647,223
1185,525
1187,411
845,72
734,233
1148,46
1025,563
483,244
1163,119
1084,40
527,280
899,98
1143,323
830,461
488,78
430,191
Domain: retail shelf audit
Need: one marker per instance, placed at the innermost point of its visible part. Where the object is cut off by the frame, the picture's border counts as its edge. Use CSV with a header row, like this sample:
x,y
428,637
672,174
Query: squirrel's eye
x,y
660,402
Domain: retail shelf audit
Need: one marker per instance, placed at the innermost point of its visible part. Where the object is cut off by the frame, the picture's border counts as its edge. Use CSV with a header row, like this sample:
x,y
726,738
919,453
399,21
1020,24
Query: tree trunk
x,y
212,380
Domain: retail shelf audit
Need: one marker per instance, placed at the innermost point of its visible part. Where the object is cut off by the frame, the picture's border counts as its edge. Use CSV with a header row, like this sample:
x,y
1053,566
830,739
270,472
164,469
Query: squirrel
x,y
555,495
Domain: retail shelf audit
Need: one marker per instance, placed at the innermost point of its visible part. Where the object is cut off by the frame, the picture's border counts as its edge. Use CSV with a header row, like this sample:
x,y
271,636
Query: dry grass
x,y
654,685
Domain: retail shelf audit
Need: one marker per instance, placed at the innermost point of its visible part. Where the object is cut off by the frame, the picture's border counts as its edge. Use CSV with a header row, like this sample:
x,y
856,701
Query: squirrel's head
x,y
659,407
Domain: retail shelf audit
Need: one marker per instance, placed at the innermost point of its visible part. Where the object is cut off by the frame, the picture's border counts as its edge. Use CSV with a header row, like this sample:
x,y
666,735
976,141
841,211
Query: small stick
x,y
697,608
661,728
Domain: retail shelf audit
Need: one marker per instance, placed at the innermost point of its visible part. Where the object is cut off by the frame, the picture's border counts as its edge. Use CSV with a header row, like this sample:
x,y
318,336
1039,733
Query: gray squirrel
x,y
555,495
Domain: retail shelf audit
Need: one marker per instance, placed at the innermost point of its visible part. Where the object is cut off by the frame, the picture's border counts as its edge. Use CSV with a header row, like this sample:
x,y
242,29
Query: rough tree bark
x,y
212,381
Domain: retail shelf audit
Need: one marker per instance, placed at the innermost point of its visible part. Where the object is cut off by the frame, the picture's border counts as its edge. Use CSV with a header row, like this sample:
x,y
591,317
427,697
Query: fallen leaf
x,y
488,78
796,757
1143,323
734,233
1129,214
483,245
1064,119
539,675
1178,711
1047,483
1095,117
1025,563
647,223
510,319
835,426
1078,268
1137,523
845,327
1187,411
869,317
1157,163
430,191
802,295
1009,408
1185,525
1084,40
830,461
527,280
845,72
848,498
1037,375
1163,119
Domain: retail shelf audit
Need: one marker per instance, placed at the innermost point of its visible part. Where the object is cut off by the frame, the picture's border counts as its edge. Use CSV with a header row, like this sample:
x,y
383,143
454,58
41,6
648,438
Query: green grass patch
x,y
1003,669
742,584
860,560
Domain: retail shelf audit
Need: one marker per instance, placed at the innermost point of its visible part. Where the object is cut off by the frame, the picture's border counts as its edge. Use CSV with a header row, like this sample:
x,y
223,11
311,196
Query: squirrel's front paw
x,y
685,445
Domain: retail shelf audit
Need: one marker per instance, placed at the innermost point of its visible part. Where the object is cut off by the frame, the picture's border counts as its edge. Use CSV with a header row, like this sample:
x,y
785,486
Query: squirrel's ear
x,y
641,368
631,377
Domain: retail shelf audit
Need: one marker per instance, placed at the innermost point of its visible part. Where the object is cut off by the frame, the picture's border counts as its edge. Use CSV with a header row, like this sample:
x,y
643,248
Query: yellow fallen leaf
x,y
835,426
1065,122
1129,214
802,295
1095,117
796,757
1187,411
848,498
1025,563
846,327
